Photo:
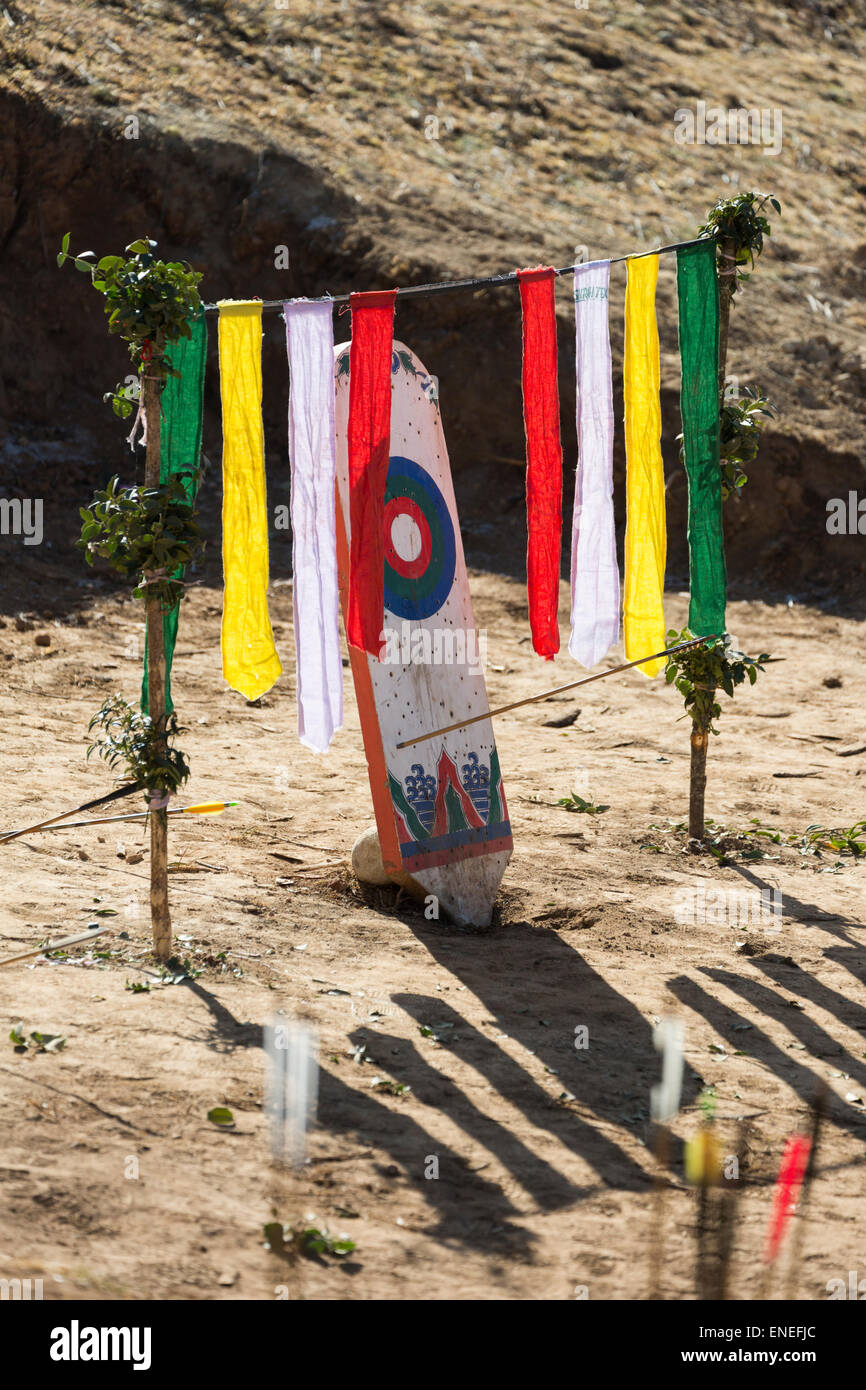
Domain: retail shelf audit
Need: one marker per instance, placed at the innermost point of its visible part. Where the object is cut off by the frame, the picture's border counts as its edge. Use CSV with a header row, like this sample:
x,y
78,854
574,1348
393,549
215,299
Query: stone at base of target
x,y
368,867
367,863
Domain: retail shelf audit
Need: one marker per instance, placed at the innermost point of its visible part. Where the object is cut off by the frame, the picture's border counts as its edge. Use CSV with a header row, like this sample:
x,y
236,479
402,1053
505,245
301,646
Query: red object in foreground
x,y
369,439
543,456
791,1172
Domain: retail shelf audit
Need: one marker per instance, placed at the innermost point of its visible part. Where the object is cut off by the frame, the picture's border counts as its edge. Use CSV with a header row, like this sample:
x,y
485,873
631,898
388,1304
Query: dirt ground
x,y
544,1177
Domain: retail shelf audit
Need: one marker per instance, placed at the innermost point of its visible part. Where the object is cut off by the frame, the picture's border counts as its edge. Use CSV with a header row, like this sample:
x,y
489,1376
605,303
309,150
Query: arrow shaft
x,y
88,805
558,689
56,945
111,820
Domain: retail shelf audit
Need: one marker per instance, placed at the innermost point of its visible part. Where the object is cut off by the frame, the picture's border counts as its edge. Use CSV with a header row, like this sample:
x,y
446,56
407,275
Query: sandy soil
x,y
544,1175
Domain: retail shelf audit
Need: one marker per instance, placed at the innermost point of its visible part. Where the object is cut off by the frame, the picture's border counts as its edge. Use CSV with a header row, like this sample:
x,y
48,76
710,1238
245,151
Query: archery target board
x,y
440,807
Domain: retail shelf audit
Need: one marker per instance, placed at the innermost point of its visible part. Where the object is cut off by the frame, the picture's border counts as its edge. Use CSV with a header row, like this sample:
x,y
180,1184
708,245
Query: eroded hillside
x,y
392,143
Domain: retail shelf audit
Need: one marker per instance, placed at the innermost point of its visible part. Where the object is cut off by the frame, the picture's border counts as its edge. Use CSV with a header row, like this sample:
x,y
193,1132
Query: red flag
x,y
369,437
543,456
788,1184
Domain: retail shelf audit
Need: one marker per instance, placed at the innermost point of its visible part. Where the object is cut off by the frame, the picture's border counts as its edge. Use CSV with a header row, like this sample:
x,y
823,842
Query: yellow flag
x,y
250,661
703,1158
646,533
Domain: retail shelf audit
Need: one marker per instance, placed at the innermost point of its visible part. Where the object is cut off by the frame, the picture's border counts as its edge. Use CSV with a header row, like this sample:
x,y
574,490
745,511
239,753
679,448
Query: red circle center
x,y
409,569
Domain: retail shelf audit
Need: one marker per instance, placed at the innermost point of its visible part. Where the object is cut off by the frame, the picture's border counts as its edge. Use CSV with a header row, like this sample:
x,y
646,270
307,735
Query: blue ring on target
x,y
421,595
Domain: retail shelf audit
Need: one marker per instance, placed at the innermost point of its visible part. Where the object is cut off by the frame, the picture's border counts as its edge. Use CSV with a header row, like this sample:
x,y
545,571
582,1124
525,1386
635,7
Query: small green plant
x,y
222,1117
36,1041
312,1241
698,675
289,1241
391,1088
137,987
177,972
753,842
131,740
148,302
576,803
739,226
741,423
146,534
843,841
707,1100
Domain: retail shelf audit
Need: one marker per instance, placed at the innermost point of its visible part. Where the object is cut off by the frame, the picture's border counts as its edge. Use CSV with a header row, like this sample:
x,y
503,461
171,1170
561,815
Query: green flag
x,y
697,290
180,450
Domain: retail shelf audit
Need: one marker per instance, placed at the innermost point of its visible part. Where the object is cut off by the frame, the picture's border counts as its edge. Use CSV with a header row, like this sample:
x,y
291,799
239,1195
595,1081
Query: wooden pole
x,y
159,910
727,279
700,739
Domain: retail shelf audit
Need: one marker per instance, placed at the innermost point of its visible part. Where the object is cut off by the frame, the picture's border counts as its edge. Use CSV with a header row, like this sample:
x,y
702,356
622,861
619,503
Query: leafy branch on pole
x,y
145,532
739,226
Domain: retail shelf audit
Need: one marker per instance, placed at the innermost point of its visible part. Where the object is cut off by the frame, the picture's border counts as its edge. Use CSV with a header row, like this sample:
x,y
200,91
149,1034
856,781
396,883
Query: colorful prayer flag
x,y
369,431
182,404
595,593
543,456
250,661
646,535
312,454
697,291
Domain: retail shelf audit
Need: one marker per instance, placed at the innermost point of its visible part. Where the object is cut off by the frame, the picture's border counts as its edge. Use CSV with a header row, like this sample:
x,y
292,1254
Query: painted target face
x,y
420,554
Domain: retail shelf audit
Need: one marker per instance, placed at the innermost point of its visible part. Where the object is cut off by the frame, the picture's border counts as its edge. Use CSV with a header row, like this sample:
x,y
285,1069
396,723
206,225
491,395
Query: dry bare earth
x,y
309,126
543,1171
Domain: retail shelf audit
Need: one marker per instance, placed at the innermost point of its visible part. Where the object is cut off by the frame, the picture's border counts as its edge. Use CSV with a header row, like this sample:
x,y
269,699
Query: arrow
x,y
207,808
56,945
87,806
557,689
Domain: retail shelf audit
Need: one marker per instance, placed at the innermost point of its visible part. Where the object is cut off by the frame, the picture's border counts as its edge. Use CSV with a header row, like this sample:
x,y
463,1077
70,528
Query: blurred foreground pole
x,y
292,1088
159,911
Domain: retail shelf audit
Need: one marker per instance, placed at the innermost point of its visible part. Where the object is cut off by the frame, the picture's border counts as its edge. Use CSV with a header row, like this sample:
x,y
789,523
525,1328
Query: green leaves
x,y
390,1087
573,802
222,1117
843,841
740,426
139,530
315,1242
308,1240
739,227
131,740
37,1042
148,302
699,673
741,423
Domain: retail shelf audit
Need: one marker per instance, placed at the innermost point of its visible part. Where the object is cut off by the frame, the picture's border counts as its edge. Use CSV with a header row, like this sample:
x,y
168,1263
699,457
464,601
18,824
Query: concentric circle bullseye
x,y
408,544
420,554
